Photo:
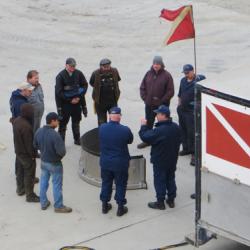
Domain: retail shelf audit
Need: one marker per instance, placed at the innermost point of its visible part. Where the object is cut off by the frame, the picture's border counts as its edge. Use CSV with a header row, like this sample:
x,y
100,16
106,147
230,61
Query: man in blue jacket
x,y
165,142
185,110
52,148
114,160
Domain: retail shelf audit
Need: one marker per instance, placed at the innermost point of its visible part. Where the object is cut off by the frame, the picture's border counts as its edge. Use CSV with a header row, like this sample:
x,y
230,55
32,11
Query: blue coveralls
x,y
114,160
165,142
186,112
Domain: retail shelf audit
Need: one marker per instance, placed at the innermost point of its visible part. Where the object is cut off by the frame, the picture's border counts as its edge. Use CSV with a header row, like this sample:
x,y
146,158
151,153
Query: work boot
x,y
184,152
157,205
192,162
142,145
20,192
46,206
36,180
121,210
77,142
193,196
33,198
63,209
170,203
106,207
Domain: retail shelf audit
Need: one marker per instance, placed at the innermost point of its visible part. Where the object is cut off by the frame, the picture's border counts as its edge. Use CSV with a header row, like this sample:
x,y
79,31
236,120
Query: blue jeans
x,y
56,171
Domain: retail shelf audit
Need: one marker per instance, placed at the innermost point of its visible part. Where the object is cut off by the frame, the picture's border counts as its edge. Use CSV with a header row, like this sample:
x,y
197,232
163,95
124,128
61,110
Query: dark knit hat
x,y
52,116
71,61
158,60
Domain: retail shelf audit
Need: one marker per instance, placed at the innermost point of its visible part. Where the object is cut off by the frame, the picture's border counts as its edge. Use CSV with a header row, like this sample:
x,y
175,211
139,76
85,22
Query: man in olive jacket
x,y
106,90
25,153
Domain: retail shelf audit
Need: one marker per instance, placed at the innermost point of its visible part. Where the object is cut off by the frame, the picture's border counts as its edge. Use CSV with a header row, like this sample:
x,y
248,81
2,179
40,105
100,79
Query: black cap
x,y
71,61
52,116
187,68
105,61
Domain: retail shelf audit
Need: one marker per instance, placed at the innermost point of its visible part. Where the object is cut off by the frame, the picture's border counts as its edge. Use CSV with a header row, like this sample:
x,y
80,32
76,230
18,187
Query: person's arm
x,y
148,135
130,136
27,134
143,91
59,92
169,90
92,79
35,142
59,145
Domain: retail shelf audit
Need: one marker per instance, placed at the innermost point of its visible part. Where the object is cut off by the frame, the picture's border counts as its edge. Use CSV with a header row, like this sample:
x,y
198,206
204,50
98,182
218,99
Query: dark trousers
x,y
150,115
25,174
164,182
72,111
102,110
186,123
121,179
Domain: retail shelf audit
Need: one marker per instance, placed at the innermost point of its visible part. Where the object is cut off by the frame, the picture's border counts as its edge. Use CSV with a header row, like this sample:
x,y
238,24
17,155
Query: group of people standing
x,y
156,90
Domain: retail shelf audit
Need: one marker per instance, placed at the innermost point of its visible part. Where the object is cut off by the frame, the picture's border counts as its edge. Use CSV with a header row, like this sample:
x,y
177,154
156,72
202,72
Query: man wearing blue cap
x,y
114,160
52,148
185,109
165,142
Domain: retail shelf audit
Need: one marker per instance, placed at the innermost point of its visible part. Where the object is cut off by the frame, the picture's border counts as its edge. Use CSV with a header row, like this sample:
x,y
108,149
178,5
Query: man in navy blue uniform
x,y
114,160
185,110
165,142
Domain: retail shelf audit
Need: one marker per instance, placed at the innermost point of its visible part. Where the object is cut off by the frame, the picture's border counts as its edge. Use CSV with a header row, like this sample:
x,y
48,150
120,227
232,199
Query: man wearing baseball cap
x,y
71,87
106,92
165,142
114,160
52,149
185,110
19,97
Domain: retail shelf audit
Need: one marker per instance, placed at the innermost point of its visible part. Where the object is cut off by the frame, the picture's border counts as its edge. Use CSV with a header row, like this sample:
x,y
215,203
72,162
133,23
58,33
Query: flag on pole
x,y
183,24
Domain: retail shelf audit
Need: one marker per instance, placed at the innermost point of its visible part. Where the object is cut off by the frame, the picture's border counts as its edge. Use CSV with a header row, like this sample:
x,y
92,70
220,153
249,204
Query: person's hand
x,y
143,121
75,100
85,111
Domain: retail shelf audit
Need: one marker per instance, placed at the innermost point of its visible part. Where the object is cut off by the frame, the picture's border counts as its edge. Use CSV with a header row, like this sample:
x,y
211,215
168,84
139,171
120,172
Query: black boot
x,y
33,198
170,203
106,207
142,145
121,210
157,205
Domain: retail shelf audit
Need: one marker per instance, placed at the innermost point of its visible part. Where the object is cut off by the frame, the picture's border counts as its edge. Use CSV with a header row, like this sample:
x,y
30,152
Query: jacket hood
x,y
17,93
27,111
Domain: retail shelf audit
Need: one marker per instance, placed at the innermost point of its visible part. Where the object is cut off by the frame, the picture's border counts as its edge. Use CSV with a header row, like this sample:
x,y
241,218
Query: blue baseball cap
x,y
115,111
163,109
187,68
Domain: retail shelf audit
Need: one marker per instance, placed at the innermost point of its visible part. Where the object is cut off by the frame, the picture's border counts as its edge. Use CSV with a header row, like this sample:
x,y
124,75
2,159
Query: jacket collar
x,y
169,121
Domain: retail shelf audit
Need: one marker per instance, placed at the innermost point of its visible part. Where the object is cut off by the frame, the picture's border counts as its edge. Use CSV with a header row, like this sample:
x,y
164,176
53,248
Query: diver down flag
x,y
228,134
183,24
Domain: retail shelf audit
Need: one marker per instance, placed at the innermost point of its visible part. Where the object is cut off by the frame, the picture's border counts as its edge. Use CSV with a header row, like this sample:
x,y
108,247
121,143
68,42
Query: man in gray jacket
x,y
52,148
36,98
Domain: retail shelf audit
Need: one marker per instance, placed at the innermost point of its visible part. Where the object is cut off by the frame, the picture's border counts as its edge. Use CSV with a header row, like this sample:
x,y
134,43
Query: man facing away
x,y
114,160
25,153
106,90
52,149
157,88
165,142
71,87
36,98
185,110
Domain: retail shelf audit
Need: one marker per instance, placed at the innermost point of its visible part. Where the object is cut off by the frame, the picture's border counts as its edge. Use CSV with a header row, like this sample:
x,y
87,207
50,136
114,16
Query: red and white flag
x,y
183,24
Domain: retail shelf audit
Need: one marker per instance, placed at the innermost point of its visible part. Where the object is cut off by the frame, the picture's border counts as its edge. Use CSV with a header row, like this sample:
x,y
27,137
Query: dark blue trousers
x,y
120,178
186,123
164,182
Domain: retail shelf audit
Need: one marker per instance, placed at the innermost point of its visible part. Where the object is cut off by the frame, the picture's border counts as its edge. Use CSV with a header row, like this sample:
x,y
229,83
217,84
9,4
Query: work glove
x,y
60,115
85,111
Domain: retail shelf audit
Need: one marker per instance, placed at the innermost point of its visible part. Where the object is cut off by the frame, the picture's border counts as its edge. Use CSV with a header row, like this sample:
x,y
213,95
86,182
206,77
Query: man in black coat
x,y
25,153
165,141
71,87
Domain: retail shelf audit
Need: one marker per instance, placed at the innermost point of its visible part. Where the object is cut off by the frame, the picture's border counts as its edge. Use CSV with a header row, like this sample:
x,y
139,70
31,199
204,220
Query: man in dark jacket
x,y
52,149
157,88
19,97
165,142
106,90
36,98
114,161
25,153
185,110
70,90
